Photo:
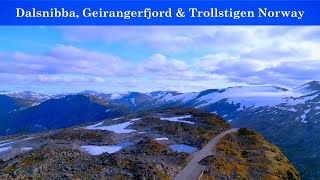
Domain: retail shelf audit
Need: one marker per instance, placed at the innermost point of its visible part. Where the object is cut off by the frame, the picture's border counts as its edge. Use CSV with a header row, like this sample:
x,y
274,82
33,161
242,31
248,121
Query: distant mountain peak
x,y
88,92
28,95
133,94
310,86
79,97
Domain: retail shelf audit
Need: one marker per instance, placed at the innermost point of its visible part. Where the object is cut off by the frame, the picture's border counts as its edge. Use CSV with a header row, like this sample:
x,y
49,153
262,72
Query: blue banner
x,y
166,12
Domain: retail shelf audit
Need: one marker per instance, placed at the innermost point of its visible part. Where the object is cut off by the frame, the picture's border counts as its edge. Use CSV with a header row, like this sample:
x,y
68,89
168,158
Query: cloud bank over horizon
x,y
118,59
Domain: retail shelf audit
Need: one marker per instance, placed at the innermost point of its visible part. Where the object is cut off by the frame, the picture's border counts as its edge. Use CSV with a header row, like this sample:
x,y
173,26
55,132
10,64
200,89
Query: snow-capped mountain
x,y
243,97
105,96
131,100
289,118
29,95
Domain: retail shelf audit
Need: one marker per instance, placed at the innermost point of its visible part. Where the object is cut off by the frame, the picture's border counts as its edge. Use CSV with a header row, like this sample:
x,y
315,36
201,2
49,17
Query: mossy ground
x,y
246,155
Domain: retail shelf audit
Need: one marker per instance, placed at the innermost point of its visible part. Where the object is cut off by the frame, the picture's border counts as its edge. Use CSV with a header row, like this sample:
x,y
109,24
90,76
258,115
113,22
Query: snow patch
x,y
26,149
303,116
180,97
93,127
162,139
288,109
2,149
301,100
117,128
3,141
136,119
133,101
35,104
178,119
116,96
97,150
11,142
117,118
250,96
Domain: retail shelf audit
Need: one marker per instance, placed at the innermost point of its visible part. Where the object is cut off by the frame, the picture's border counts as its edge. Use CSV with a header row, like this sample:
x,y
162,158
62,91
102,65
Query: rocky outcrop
x,y
247,155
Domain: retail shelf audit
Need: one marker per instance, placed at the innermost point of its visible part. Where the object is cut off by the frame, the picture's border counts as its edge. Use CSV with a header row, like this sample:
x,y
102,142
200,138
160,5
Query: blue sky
x,y
127,58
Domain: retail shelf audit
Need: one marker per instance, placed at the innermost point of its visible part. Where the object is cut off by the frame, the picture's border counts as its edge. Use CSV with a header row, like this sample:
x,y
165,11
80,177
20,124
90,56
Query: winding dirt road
x,y
193,170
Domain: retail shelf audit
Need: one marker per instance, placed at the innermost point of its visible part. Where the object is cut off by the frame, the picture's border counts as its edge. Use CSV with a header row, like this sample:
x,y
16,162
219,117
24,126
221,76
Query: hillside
x,y
130,100
10,105
247,155
59,113
146,145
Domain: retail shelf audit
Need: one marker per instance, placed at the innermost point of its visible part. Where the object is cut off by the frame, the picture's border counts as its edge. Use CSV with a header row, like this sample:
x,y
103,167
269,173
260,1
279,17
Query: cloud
x,y
164,39
256,42
284,72
71,66
69,79
311,34
186,58
63,59
159,63
274,54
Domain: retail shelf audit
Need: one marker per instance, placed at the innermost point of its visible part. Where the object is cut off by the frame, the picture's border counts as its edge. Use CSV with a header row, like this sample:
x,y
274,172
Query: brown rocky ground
x,y
57,154
145,160
247,155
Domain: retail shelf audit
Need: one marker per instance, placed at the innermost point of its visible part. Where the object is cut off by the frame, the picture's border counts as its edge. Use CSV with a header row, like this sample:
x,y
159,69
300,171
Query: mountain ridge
x,y
61,112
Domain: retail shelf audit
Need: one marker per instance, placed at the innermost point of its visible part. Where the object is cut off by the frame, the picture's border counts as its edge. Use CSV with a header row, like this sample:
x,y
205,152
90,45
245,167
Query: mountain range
x,y
289,118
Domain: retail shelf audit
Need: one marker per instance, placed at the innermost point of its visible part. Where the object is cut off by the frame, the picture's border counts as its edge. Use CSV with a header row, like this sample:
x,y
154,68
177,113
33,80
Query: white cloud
x,y
212,57
160,63
167,39
63,59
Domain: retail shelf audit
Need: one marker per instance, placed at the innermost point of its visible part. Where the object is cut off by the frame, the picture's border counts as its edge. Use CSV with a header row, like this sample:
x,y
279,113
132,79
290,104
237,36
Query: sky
x,y
149,58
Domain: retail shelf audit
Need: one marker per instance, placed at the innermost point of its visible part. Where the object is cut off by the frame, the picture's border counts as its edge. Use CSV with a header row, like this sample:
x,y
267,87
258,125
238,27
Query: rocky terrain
x,y
246,155
153,144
